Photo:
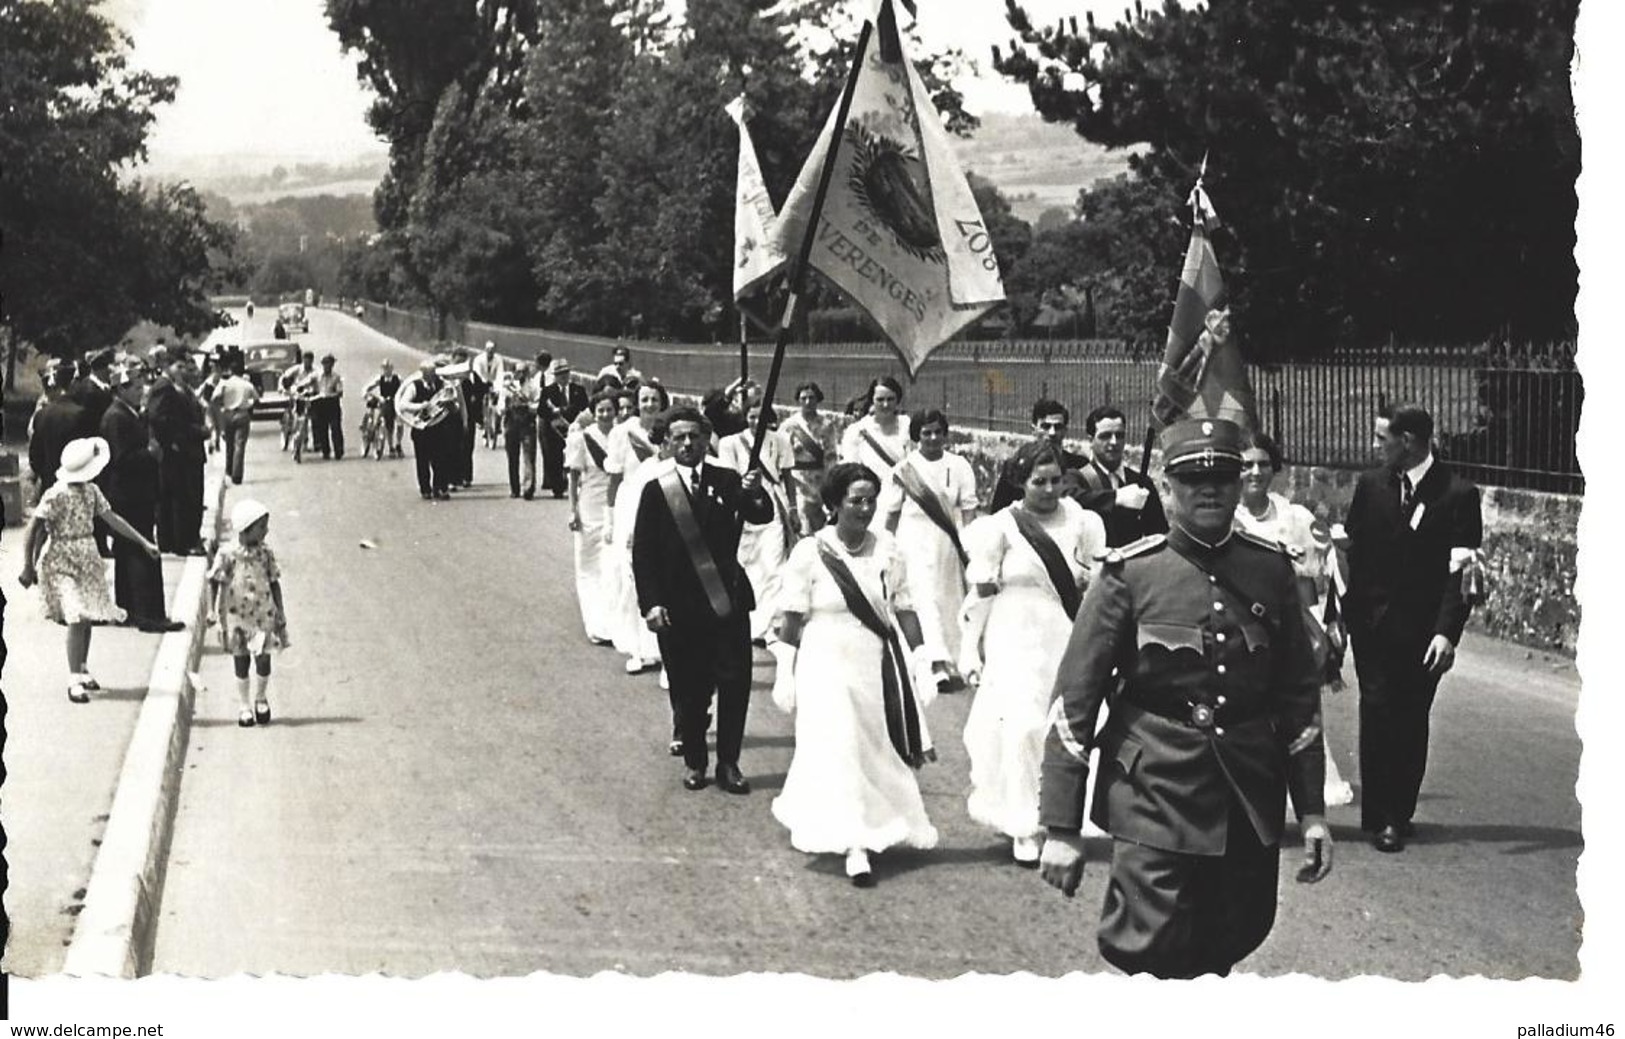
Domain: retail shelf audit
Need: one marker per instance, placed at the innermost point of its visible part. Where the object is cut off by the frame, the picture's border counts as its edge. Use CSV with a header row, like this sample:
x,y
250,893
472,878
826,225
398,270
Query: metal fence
x,y
1506,414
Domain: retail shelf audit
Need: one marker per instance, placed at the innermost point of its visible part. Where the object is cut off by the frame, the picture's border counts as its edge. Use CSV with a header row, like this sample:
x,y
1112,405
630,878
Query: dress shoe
x,y
1388,839
694,779
158,627
1026,850
732,780
857,867
675,748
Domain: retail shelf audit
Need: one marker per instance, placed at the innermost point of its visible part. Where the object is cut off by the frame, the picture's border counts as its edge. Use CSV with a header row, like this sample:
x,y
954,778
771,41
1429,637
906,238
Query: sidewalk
x,y
63,760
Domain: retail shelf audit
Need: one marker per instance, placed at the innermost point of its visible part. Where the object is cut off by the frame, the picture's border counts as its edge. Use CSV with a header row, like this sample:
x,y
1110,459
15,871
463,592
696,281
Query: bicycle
x,y
373,438
301,426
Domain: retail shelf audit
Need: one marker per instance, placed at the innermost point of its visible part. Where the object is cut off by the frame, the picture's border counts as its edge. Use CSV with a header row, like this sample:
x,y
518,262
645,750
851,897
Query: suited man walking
x,y
694,595
1412,527
175,415
1126,499
562,401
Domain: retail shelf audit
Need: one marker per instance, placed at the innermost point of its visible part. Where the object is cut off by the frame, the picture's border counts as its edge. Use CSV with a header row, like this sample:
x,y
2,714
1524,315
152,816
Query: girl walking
x,y
247,589
72,579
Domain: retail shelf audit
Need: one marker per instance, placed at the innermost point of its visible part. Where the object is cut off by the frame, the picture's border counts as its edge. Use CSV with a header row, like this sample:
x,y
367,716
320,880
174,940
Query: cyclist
x,y
299,383
380,393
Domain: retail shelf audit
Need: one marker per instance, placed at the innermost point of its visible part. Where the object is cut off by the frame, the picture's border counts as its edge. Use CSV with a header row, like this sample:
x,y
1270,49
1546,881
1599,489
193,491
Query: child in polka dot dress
x,y
247,604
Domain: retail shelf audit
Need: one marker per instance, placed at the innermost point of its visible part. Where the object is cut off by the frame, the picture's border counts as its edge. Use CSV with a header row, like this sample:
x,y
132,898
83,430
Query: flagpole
x,y
798,273
744,345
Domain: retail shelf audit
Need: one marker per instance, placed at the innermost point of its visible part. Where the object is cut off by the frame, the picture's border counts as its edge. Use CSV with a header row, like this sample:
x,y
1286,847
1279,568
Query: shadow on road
x,y
280,722
1526,839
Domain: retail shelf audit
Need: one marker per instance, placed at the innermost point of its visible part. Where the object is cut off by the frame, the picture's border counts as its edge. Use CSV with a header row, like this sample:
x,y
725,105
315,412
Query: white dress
x,y
763,547
1021,643
592,591
855,448
847,788
1309,541
935,573
631,636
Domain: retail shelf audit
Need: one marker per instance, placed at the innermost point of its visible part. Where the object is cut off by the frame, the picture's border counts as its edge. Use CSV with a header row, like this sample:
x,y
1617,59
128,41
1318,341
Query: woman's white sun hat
x,y
83,459
246,513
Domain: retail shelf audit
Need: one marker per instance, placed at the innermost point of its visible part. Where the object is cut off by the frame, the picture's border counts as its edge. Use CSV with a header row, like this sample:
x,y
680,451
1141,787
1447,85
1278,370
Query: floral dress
x,y
248,615
72,576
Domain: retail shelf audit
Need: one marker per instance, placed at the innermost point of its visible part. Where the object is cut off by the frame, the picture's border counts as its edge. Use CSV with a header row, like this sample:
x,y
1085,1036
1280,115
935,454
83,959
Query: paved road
x,y
457,780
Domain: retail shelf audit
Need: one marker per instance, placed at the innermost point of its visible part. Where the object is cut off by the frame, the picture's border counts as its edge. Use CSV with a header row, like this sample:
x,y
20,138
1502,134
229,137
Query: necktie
x,y
1406,491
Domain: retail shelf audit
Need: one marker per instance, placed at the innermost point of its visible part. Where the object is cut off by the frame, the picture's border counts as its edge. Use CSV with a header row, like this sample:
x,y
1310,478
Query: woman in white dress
x,y
1029,563
631,452
1308,541
763,547
586,454
880,438
851,788
815,442
928,500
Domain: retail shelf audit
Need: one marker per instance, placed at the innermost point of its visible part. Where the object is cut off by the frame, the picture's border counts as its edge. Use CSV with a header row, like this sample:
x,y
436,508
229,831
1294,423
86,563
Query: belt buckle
x,y
1202,715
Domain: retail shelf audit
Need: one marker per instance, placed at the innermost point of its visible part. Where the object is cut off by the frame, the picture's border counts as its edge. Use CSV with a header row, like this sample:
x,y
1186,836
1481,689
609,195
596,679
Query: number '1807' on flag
x,y
900,232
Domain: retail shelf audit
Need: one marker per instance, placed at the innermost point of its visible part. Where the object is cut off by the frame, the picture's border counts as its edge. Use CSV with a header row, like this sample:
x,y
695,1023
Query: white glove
x,y
784,675
1132,496
970,666
926,680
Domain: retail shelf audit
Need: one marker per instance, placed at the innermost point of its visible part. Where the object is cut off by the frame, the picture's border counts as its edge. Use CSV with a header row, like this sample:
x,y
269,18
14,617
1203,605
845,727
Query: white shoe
x,y
665,683
1026,850
636,665
857,867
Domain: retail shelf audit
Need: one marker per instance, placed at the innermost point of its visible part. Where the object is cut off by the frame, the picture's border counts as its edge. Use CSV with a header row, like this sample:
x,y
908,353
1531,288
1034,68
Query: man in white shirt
x,y
326,412
237,396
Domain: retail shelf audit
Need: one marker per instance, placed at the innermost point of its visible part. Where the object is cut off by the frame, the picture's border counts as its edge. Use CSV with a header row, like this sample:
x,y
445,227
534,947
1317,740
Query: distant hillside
x,y
253,179
1036,164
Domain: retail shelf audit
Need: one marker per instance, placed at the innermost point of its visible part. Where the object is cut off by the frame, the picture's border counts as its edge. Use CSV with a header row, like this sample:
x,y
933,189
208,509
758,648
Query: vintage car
x,y
264,361
292,316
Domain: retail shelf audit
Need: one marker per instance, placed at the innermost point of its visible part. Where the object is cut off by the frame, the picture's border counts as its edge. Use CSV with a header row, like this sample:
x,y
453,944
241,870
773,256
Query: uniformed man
x,y
1194,640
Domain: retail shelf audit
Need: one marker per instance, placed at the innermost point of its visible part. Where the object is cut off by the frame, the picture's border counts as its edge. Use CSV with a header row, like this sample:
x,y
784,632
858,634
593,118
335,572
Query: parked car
x,y
264,361
292,316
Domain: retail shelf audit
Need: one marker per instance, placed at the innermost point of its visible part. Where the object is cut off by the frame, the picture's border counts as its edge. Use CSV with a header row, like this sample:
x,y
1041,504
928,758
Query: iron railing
x,y
1507,414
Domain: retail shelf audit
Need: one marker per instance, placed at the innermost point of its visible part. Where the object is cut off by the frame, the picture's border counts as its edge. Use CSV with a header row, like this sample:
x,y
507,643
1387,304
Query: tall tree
x,y
1383,169
88,254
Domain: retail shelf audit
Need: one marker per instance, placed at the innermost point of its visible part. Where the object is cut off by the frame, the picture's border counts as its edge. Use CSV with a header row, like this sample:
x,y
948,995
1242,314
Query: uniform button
x,y
1219,701
1219,731
1218,607
1212,580
1221,669
1219,637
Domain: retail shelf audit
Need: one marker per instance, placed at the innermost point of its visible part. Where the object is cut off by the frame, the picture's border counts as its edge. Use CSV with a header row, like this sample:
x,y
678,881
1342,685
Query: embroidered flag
x,y
900,232
1202,373
757,256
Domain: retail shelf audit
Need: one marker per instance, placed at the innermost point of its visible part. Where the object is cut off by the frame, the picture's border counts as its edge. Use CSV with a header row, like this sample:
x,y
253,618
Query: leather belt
x,y
1196,715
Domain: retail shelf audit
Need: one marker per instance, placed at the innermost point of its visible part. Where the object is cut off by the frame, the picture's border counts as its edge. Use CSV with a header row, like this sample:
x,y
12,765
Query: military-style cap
x,y
1207,445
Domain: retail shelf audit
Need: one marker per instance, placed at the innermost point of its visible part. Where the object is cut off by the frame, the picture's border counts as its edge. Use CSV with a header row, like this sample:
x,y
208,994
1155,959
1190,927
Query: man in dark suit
x,y
60,420
1050,419
1126,499
1198,642
94,392
175,415
562,401
1412,528
694,595
130,483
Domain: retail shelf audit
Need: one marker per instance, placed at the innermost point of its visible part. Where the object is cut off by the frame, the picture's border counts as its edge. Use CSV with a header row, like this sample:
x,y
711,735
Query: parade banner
x,y
757,254
900,232
1202,373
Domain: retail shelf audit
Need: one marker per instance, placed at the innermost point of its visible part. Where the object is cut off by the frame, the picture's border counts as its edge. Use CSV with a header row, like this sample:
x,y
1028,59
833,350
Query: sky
x,y
268,76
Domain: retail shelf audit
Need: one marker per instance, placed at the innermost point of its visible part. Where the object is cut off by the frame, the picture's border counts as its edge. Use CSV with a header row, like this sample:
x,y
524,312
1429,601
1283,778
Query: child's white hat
x,y
246,513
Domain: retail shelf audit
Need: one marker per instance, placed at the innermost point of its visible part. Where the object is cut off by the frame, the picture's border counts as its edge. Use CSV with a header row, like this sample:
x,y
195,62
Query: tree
x,y
1382,169
86,254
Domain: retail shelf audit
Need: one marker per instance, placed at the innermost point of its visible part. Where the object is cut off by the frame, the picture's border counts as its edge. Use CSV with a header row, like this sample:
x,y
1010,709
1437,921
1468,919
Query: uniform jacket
x,y
1122,525
1161,640
1399,580
661,566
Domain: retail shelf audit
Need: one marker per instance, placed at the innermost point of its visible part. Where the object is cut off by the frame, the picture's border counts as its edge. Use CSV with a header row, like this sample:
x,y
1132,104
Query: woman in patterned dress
x,y
69,571
246,586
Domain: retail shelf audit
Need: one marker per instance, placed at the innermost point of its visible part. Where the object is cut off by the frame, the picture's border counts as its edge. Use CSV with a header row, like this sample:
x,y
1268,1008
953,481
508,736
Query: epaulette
x,y
1149,543
1263,542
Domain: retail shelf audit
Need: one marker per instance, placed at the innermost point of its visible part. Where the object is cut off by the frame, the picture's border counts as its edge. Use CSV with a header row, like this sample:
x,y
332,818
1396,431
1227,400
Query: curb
x,y
115,932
